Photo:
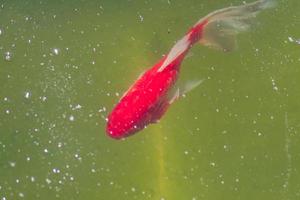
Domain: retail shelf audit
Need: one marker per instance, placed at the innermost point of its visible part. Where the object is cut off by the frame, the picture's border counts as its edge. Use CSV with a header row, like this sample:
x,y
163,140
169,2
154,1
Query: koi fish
x,y
147,100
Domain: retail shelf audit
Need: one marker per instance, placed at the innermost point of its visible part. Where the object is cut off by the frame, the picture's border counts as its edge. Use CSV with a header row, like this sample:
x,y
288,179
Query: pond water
x,y
65,64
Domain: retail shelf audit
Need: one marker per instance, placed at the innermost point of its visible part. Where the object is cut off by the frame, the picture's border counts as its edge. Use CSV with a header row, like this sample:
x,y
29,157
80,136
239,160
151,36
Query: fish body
x,y
153,92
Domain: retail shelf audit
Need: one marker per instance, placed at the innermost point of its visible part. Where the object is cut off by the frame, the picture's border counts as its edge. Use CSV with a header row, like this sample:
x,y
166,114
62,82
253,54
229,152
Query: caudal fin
x,y
219,28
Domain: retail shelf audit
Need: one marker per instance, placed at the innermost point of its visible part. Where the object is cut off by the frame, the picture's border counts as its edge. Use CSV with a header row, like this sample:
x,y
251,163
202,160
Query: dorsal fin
x,y
180,47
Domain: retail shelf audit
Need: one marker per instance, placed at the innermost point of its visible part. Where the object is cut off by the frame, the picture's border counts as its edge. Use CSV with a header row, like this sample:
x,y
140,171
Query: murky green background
x,y
65,64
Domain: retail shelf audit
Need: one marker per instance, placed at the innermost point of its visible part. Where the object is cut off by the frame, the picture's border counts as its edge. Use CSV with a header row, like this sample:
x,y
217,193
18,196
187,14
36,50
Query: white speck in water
x,y
291,39
55,171
133,189
12,164
48,181
141,18
5,99
46,150
3,198
28,158
78,106
274,85
71,118
297,41
7,56
32,179
259,133
103,109
213,164
186,152
43,98
27,95
55,51
7,111
0,32
21,195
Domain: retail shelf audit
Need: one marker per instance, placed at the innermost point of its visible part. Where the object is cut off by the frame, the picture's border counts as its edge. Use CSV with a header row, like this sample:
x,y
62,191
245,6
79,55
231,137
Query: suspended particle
x,y
55,51
7,56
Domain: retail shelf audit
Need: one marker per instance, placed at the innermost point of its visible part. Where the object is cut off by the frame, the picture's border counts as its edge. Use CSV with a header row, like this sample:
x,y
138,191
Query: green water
x,y
65,64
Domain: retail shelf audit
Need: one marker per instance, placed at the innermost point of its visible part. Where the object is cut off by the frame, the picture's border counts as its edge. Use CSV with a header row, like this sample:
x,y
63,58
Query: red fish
x,y
154,91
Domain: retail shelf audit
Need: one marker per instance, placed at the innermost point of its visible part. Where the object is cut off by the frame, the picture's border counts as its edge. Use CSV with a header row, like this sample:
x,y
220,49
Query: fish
x,y
151,95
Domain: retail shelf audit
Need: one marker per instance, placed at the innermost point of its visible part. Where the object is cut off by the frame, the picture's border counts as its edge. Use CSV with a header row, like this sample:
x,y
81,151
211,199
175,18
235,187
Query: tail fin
x,y
219,28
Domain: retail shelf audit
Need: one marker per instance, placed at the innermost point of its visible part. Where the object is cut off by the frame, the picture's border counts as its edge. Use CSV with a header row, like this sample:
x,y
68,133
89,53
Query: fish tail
x,y
219,28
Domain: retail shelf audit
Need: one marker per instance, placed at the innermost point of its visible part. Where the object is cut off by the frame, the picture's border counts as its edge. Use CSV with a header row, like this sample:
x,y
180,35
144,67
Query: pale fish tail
x,y
218,29
221,26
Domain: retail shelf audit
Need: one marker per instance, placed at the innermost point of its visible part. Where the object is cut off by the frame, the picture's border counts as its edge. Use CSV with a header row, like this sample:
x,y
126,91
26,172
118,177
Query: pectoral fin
x,y
174,96
181,90
188,86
